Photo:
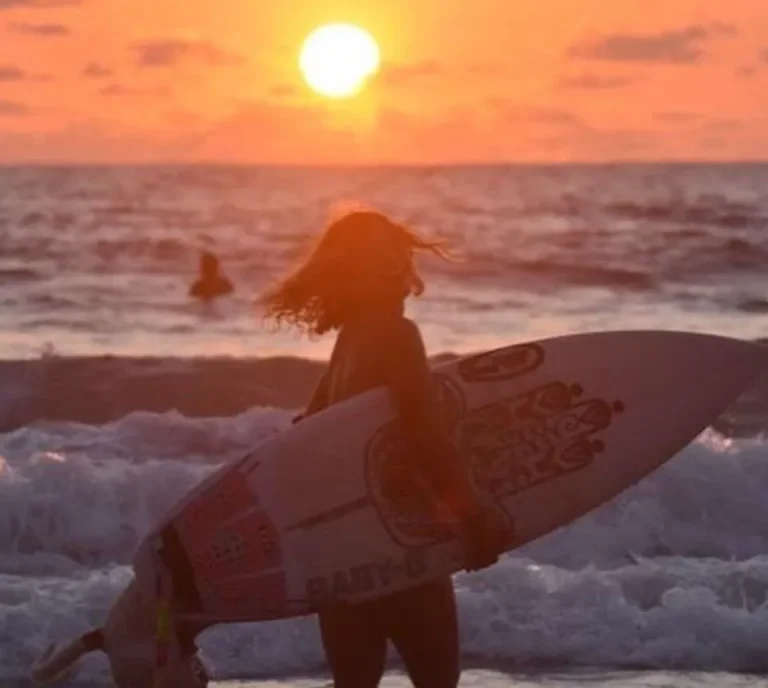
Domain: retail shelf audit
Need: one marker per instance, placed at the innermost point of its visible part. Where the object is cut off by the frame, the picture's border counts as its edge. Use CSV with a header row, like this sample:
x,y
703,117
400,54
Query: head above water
x,y
363,263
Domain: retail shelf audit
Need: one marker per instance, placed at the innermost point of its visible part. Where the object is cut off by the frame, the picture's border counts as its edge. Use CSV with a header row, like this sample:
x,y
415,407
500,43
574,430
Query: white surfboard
x,y
325,512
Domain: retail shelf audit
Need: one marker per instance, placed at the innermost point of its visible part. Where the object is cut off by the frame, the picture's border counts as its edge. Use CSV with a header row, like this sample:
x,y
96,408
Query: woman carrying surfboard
x,y
356,282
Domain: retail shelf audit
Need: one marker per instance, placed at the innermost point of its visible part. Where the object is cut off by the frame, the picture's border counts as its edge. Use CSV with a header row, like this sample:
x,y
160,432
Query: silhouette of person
x,y
356,283
211,283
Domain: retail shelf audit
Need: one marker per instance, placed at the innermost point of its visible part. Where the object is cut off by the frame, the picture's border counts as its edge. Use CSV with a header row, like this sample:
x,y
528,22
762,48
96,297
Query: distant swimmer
x,y
211,283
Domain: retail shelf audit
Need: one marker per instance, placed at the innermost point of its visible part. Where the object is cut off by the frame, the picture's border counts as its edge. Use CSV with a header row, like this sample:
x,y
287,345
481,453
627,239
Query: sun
x,y
337,59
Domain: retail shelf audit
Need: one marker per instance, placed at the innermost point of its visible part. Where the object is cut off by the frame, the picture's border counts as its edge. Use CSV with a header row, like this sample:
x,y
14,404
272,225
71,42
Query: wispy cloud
x,y
12,73
393,74
396,74
168,52
556,117
746,72
9,72
9,4
283,91
11,108
677,117
725,124
95,70
596,82
486,68
44,30
683,45
589,81
122,90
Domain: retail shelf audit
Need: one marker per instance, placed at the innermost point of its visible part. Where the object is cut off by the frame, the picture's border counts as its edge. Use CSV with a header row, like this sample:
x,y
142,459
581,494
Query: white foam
x,y
88,493
673,613
670,574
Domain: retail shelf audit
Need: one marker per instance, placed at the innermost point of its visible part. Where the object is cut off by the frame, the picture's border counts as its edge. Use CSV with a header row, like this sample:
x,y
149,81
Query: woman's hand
x,y
487,533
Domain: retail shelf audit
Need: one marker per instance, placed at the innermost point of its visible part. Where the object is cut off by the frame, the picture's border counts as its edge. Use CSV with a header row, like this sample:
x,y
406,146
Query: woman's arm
x,y
414,394
319,399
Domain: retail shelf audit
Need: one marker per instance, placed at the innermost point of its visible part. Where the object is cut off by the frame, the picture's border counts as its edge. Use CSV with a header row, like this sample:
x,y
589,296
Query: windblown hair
x,y
322,292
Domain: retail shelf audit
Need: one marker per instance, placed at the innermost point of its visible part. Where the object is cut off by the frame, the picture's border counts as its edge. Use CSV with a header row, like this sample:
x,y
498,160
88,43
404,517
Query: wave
x,y
103,389
675,614
566,270
753,304
671,574
713,212
580,273
87,492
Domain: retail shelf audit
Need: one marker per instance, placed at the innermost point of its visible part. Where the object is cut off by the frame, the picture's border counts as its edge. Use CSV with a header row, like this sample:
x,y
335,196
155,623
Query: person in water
x,y
356,283
211,283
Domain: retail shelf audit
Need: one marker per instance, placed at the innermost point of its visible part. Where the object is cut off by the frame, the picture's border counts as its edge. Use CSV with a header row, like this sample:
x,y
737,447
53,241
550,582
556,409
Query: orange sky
x,y
474,81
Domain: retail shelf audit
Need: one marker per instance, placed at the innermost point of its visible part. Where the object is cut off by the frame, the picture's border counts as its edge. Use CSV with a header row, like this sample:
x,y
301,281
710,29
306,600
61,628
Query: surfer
x,y
355,283
211,283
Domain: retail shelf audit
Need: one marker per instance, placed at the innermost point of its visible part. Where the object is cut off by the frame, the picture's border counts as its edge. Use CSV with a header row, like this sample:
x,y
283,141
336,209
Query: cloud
x,y
10,108
95,70
91,141
10,72
678,46
746,72
724,124
605,144
486,68
698,122
166,53
122,90
392,74
596,82
9,4
44,30
273,132
409,136
677,117
399,75
555,117
283,91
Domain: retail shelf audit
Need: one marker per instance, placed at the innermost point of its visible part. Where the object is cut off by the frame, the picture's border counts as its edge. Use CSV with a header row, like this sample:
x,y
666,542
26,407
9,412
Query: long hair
x,y
355,253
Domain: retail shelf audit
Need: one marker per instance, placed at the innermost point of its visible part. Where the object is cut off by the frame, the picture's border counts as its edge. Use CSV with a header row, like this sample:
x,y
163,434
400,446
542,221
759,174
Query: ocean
x,y
119,394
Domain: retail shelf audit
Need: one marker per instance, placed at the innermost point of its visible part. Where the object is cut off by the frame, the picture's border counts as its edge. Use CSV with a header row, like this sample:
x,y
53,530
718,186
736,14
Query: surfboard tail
x,y
56,660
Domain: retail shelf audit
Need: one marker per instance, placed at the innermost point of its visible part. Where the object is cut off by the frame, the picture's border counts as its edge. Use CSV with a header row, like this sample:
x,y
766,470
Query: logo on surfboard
x,y
234,548
501,364
513,445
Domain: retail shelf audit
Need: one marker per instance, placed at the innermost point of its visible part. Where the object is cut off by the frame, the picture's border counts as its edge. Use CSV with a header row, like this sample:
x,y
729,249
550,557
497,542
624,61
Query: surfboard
x,y
325,512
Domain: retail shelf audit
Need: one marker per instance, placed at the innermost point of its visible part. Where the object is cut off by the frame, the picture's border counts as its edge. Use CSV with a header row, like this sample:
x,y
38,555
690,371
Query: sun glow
x,y
337,59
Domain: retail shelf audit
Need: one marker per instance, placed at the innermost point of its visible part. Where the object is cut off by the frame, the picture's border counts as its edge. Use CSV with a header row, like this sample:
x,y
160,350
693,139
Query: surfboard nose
x,y
724,363
666,357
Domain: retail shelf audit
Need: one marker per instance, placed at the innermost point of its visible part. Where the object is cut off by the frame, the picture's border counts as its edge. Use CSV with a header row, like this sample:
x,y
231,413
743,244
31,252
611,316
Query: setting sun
x,y
337,59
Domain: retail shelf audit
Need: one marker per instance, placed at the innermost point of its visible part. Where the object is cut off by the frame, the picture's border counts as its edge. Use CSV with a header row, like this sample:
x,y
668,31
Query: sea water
x,y
118,395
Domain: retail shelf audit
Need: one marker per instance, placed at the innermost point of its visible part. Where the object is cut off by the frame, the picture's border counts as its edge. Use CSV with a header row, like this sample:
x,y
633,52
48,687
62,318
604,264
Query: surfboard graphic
x,y
328,511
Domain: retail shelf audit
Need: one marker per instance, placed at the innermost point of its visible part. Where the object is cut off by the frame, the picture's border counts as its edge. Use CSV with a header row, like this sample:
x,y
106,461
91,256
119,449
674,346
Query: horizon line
x,y
681,162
